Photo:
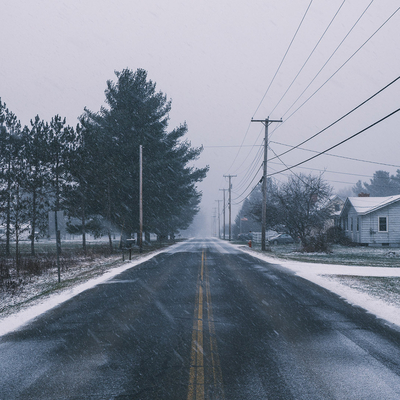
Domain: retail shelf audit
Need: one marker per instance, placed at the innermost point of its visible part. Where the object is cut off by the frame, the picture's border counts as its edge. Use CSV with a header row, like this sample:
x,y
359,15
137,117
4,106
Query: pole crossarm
x,y
266,121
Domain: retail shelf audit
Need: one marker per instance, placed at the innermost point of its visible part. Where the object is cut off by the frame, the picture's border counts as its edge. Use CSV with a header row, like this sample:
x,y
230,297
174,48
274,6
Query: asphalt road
x,y
203,321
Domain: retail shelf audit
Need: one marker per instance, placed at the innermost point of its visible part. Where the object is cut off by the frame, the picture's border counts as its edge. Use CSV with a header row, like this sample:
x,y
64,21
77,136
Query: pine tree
x,y
10,150
37,179
136,114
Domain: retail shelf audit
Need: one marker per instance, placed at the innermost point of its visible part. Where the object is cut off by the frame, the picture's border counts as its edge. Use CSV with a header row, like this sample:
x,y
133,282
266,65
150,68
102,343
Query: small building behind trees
x,y
372,221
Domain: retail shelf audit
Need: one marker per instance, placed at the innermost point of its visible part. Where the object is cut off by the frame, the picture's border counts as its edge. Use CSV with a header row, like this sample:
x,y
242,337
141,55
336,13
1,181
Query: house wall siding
x,y
368,226
370,229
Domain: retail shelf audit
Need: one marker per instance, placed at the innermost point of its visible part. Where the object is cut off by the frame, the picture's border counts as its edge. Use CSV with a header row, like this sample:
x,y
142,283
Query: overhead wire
x,y
317,155
339,119
284,57
241,201
250,170
306,60
245,190
324,152
328,171
316,91
276,73
330,57
341,142
297,30
309,56
338,156
248,154
266,92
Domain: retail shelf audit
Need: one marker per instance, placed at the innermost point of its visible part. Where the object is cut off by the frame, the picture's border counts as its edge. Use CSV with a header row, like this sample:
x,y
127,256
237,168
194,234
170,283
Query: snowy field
x,y
375,289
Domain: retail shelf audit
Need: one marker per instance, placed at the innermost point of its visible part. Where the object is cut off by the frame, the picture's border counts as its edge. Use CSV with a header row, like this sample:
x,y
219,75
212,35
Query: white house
x,y
373,221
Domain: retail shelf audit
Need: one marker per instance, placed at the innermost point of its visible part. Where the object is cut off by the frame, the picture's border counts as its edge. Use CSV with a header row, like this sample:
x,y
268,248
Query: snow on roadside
x,y
16,320
330,277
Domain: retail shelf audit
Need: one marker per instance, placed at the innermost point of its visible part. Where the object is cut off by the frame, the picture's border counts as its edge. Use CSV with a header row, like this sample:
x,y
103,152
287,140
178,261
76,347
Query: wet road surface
x,y
202,321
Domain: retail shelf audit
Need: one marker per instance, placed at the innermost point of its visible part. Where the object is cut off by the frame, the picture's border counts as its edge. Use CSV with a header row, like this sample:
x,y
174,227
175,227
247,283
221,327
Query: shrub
x,y
336,235
316,244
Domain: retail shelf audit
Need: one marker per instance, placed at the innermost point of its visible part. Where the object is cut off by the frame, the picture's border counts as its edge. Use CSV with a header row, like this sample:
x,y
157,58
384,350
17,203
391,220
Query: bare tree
x,y
304,206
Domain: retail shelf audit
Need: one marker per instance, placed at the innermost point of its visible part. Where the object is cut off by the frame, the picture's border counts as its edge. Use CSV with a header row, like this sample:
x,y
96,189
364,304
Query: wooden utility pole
x,y
140,199
214,222
230,204
266,123
219,220
223,209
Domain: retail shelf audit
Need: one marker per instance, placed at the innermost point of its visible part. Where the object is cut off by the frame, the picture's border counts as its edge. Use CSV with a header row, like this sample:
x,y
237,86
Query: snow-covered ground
x,y
376,289
14,320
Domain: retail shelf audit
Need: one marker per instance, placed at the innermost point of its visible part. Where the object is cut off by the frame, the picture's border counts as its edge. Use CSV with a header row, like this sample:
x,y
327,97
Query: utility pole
x,y
219,220
223,208
266,123
214,222
141,199
230,204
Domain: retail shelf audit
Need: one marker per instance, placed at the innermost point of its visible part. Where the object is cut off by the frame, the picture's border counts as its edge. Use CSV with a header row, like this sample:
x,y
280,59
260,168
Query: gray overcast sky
x,y
215,60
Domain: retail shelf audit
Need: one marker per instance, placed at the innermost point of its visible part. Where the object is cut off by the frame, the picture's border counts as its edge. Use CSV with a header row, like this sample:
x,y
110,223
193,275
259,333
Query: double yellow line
x,y
205,371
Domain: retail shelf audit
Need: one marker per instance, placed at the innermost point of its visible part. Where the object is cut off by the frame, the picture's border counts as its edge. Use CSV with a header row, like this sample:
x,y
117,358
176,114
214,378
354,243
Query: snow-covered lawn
x,y
374,288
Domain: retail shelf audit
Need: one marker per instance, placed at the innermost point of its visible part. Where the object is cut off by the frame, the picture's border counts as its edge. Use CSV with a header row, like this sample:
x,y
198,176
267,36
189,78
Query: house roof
x,y
366,205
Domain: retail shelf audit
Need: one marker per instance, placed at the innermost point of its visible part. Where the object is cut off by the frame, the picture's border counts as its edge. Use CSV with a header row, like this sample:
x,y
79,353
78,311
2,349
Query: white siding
x,y
369,229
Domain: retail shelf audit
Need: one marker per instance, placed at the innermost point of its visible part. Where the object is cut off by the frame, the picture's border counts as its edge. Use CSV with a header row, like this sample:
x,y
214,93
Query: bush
x,y
336,235
316,244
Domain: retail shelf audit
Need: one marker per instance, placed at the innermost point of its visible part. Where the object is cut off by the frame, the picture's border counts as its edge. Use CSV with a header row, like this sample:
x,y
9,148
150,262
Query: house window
x,y
382,224
358,224
351,224
337,207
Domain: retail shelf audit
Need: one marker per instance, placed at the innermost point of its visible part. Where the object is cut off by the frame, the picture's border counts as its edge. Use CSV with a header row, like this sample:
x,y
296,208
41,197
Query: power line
x,y
341,118
335,74
283,59
334,52
241,201
248,154
254,177
338,156
327,170
246,145
340,143
387,20
308,58
249,173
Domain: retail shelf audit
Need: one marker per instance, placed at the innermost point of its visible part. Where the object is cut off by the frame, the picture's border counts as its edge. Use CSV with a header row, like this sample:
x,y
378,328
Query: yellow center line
x,y
196,374
196,390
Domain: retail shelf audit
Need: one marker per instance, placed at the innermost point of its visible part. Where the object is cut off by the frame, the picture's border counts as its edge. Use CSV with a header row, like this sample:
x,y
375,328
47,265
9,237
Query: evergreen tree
x,y
10,143
61,144
79,200
381,185
37,178
138,115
